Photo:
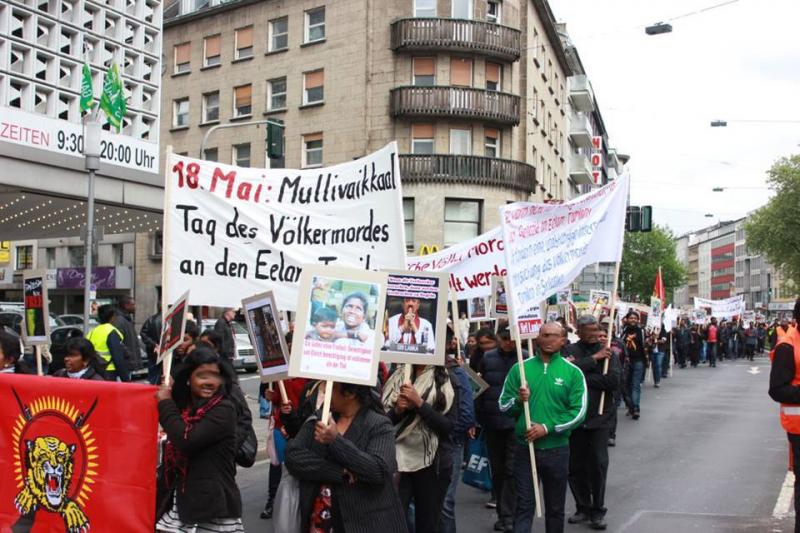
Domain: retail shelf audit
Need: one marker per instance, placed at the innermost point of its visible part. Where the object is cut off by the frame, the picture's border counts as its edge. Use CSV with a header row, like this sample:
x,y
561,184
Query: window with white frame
x,y
276,94
460,142
424,8
424,71
493,11
211,107
491,142
241,155
462,9
183,56
279,34
462,220
242,101
422,139
24,257
315,25
313,87
408,220
312,150
244,42
180,113
211,50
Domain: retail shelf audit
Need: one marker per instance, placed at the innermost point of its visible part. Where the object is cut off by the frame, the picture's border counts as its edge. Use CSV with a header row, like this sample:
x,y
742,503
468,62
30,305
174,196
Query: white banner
x,y
232,232
547,245
470,264
727,308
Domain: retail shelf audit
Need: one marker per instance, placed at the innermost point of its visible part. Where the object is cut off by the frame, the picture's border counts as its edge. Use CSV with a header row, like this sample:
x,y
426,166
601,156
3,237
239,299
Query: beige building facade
x,y
474,92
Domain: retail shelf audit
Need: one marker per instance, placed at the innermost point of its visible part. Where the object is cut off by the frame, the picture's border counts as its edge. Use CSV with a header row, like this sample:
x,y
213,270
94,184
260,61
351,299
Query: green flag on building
x,y
87,94
112,101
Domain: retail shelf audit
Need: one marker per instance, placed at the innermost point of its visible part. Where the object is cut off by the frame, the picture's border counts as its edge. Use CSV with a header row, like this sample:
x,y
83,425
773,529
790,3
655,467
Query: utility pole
x,y
212,129
91,152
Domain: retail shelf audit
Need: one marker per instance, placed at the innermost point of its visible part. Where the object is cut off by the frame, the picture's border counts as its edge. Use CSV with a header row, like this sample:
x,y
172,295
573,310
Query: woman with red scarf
x,y
196,484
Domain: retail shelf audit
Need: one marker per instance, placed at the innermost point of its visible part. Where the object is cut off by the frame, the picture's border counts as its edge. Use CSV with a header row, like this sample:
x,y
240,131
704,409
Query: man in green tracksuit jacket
x,y
556,394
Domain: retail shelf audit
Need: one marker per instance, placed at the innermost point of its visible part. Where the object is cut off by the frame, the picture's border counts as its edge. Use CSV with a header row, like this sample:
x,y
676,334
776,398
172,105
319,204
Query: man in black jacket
x,y
500,439
124,322
588,444
635,345
224,327
151,337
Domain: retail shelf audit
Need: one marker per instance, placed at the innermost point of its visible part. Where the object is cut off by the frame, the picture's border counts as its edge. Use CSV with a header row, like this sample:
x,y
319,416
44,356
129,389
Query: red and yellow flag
x,y
76,455
658,288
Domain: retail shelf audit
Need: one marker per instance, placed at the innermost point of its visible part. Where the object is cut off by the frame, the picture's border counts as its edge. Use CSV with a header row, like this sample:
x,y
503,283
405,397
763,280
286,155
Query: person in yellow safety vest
x,y
107,342
784,387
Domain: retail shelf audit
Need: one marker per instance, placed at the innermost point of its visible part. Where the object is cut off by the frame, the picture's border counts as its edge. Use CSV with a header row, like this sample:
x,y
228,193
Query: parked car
x,y
77,320
13,319
245,354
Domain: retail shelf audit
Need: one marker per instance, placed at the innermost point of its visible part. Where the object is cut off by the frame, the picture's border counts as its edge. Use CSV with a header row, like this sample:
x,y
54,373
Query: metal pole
x,y
212,129
92,154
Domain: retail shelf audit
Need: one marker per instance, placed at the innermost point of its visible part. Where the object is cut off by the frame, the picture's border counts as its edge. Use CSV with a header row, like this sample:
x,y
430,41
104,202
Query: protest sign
x,y
266,334
335,332
748,316
598,300
231,232
699,316
499,298
470,264
563,297
529,324
478,308
174,327
548,245
477,383
654,316
726,308
36,319
415,318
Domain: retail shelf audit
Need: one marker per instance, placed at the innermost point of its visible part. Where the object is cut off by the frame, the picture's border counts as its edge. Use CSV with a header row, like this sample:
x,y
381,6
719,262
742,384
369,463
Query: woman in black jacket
x,y
345,468
80,361
424,413
196,483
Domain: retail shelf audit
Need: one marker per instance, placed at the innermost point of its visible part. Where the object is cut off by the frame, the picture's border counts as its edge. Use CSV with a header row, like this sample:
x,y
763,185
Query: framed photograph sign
x,y
266,334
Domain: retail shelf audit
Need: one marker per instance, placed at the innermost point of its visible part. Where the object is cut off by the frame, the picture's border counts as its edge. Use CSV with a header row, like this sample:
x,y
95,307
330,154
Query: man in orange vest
x,y
784,387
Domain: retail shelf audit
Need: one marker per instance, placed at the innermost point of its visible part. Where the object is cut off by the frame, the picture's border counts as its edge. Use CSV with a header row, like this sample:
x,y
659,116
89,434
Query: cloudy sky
x,y
658,94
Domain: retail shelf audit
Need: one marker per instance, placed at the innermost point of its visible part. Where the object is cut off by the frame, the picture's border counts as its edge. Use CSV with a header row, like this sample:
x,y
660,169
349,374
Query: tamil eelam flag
x,y
77,455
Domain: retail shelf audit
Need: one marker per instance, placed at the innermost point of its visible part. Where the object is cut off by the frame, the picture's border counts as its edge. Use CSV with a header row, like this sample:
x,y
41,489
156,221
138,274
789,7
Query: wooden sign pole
x,y
167,362
613,312
38,349
326,405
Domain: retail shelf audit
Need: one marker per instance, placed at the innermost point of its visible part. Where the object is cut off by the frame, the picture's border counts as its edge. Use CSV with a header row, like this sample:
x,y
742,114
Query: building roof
x,y
542,8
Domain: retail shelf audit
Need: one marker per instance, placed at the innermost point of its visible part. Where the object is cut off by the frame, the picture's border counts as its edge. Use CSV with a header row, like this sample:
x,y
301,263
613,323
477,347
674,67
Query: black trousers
x,y
794,440
501,445
588,468
427,488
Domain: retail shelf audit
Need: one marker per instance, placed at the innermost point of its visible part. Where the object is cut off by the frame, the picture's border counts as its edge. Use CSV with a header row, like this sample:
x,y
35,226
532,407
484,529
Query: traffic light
x,y
633,219
647,219
275,139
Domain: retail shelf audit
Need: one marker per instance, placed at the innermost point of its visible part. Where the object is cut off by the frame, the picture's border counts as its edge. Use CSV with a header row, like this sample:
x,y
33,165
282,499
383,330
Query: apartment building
x,y
719,265
474,92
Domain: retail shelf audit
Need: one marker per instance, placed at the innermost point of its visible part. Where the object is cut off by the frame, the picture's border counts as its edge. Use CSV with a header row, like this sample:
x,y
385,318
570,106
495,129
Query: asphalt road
x,y
707,455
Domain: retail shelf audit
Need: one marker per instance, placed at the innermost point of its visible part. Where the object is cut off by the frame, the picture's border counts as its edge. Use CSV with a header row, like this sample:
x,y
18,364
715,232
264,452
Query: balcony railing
x,y
468,170
473,36
459,102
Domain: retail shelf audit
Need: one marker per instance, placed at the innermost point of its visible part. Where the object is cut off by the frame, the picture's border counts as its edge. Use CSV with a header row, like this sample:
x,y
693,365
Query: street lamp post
x,y
234,125
91,152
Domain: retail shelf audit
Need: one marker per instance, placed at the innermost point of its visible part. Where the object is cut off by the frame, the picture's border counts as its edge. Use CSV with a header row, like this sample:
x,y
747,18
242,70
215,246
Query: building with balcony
x,y
474,92
719,266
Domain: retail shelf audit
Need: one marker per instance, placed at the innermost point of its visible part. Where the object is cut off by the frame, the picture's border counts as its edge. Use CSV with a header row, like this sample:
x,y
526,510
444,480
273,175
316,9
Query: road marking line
x,y
784,504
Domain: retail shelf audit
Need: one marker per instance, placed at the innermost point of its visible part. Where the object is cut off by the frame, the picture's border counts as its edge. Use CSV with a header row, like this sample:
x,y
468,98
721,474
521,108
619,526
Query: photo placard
x,y
36,320
477,383
266,333
337,335
415,317
499,298
174,327
478,309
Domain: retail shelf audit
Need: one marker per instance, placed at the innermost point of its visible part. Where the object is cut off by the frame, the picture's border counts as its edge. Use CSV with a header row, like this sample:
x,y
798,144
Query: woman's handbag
x,y
287,504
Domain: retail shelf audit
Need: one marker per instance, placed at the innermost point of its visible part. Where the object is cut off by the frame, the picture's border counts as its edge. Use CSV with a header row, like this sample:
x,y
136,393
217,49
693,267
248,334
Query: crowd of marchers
x,y
390,457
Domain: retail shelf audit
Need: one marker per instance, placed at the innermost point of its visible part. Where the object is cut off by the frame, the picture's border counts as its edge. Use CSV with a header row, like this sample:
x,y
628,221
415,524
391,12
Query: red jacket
x,y
293,387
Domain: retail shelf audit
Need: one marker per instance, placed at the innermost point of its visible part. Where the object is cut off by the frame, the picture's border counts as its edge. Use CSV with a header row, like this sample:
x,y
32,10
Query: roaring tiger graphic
x,y
49,467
